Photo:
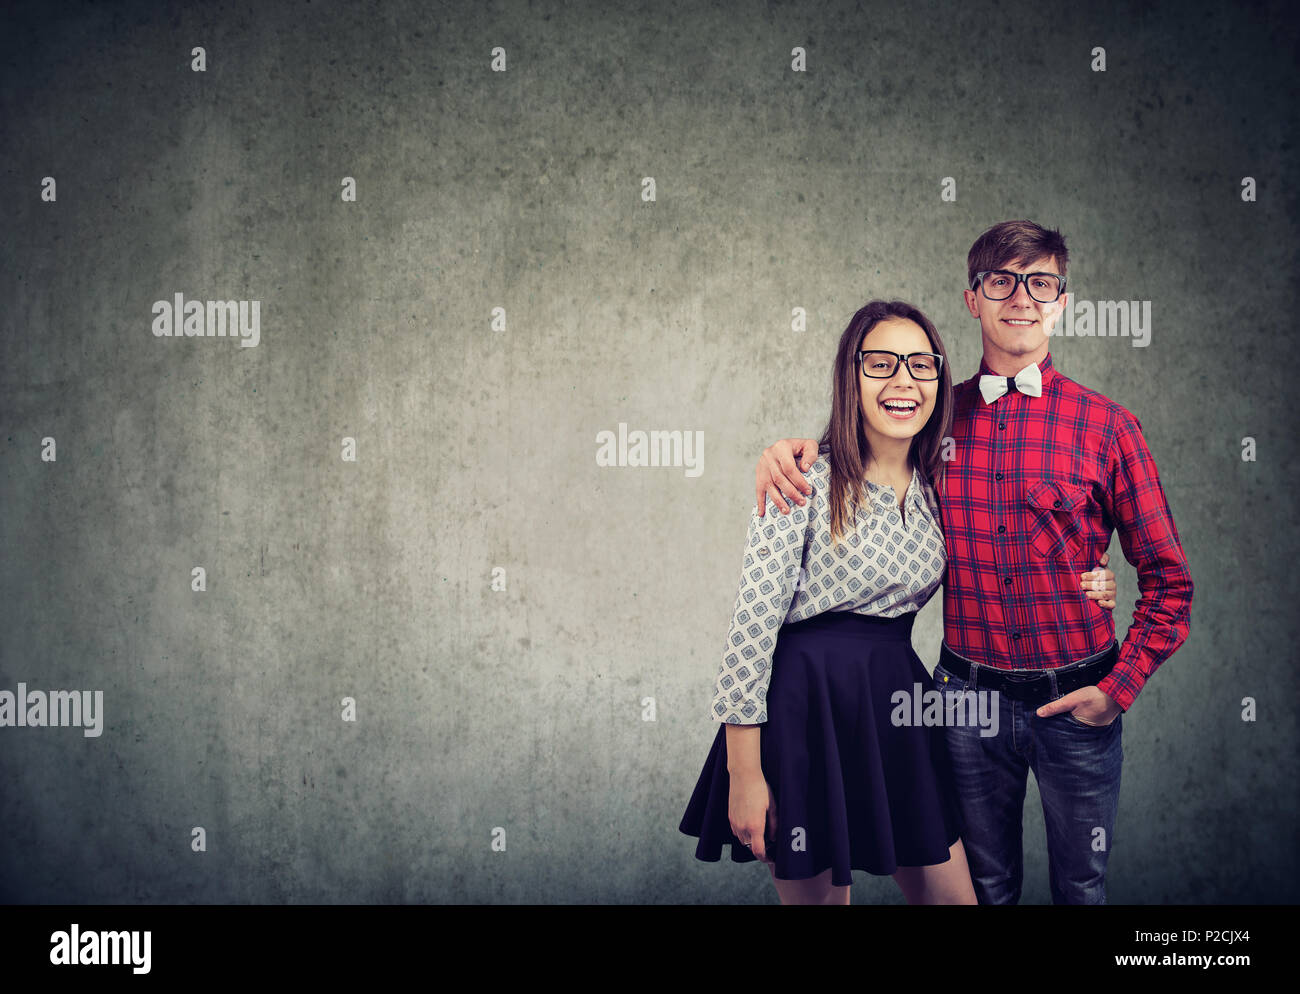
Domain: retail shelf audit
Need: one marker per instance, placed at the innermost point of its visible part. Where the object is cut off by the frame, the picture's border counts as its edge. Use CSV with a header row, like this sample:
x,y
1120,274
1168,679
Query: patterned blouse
x,y
882,567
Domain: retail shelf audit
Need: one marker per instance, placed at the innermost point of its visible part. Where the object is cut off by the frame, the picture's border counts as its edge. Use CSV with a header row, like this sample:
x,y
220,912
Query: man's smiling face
x,y
1016,329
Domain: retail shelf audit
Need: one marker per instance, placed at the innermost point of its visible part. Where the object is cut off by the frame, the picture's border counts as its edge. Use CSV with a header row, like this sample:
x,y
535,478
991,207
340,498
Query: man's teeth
x,y
1017,321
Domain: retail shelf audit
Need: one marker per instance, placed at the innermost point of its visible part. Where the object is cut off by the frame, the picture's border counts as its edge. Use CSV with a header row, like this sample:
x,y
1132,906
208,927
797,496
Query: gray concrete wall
x,y
327,578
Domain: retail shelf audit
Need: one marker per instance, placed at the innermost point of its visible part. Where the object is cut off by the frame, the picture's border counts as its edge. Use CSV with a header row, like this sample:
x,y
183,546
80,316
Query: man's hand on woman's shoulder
x,y
780,473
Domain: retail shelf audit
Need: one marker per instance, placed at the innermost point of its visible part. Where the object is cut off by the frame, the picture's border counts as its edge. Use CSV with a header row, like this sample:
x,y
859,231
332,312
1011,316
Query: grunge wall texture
x,y
474,444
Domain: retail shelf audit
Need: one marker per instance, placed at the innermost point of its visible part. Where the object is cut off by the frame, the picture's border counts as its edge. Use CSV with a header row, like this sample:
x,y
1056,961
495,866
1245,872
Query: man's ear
x,y
972,303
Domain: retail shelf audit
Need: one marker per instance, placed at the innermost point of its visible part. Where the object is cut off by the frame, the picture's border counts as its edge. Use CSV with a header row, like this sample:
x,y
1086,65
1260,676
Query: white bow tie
x,y
1029,380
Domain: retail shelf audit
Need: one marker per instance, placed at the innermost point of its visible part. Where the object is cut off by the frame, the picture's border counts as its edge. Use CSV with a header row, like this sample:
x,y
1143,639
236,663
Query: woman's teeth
x,y
900,409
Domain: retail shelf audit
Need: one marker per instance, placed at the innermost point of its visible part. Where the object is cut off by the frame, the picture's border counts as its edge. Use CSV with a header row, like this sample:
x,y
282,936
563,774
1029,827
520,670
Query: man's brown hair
x,y
1012,241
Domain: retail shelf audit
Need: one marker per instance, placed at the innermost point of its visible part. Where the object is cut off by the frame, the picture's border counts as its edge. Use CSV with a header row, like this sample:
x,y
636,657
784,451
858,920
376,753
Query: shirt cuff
x,y
1122,684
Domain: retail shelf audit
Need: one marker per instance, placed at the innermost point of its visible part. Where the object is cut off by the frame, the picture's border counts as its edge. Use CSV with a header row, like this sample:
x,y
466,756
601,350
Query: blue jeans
x,y
1077,768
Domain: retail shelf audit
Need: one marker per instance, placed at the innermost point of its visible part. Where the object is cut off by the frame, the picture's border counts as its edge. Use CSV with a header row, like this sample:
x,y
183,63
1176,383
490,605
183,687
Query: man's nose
x,y
1022,288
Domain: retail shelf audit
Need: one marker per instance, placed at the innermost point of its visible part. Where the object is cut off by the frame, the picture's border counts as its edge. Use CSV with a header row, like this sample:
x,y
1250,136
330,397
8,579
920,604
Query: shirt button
x,y
1056,503
1015,635
1002,425
1002,529
997,476
1007,581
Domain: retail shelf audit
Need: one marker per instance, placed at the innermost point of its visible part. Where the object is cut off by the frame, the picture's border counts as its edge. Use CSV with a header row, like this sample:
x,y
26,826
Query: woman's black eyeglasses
x,y
882,365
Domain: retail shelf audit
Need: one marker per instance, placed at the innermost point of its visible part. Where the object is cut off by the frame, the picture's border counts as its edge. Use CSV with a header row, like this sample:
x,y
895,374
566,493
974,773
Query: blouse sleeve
x,y
768,580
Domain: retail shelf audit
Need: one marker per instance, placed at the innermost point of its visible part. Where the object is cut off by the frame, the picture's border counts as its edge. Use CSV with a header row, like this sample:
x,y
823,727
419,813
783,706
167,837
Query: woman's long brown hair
x,y
844,441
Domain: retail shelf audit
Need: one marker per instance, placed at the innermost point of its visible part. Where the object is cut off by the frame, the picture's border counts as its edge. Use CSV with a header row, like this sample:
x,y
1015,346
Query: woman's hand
x,y
1100,584
751,809
778,475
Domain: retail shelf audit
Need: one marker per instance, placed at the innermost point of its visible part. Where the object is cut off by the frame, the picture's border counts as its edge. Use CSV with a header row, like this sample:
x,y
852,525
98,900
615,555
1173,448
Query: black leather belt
x,y
1033,686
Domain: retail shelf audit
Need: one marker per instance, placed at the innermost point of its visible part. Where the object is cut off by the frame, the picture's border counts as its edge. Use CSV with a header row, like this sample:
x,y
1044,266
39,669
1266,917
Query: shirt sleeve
x,y
1162,615
768,580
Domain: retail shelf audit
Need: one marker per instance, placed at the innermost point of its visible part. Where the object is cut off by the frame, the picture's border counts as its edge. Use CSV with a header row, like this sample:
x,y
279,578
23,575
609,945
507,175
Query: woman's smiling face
x,y
900,406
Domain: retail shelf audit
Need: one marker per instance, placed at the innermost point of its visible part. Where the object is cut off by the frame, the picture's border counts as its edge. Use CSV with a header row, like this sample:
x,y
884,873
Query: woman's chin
x,y
900,430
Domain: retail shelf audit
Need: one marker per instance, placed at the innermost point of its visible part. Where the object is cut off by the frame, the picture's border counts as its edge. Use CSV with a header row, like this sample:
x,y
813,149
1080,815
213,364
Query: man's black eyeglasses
x,y
998,284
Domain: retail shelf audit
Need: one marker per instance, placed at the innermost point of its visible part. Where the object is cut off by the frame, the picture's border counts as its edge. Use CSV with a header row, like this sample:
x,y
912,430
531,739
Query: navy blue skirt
x,y
868,794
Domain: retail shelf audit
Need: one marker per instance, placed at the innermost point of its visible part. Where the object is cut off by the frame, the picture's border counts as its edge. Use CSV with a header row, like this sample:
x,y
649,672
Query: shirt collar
x,y
913,497
1045,367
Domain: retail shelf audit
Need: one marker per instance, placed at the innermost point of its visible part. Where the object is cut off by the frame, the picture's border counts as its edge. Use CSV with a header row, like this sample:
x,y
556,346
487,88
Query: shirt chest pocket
x,y
1056,513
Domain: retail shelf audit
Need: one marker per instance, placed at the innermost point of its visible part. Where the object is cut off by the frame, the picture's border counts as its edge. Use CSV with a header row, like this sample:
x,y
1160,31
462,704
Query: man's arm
x,y
1162,615
778,474
780,471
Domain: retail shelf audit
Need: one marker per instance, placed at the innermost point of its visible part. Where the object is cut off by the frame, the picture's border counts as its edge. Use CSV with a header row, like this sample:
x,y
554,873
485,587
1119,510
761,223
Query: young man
x,y
1042,470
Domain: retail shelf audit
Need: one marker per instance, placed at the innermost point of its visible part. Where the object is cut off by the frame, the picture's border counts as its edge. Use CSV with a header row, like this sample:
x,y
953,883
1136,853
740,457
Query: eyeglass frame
x,y
1019,278
901,360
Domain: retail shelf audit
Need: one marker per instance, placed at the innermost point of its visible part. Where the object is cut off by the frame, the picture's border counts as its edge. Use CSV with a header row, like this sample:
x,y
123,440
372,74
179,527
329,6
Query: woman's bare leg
x,y
815,890
943,883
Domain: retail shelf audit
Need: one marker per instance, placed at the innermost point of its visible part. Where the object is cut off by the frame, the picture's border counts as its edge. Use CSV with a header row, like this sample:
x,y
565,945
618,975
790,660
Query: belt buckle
x,y
1024,685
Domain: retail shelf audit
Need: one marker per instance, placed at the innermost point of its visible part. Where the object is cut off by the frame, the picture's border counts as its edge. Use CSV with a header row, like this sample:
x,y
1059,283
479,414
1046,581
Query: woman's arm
x,y
769,581
751,808
769,578
743,750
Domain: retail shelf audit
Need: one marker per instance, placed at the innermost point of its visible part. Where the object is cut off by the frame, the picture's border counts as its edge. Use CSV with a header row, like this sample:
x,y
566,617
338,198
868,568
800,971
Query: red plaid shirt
x,y
1035,488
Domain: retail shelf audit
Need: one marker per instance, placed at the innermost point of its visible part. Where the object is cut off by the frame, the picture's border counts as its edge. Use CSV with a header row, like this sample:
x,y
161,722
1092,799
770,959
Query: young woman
x,y
810,771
